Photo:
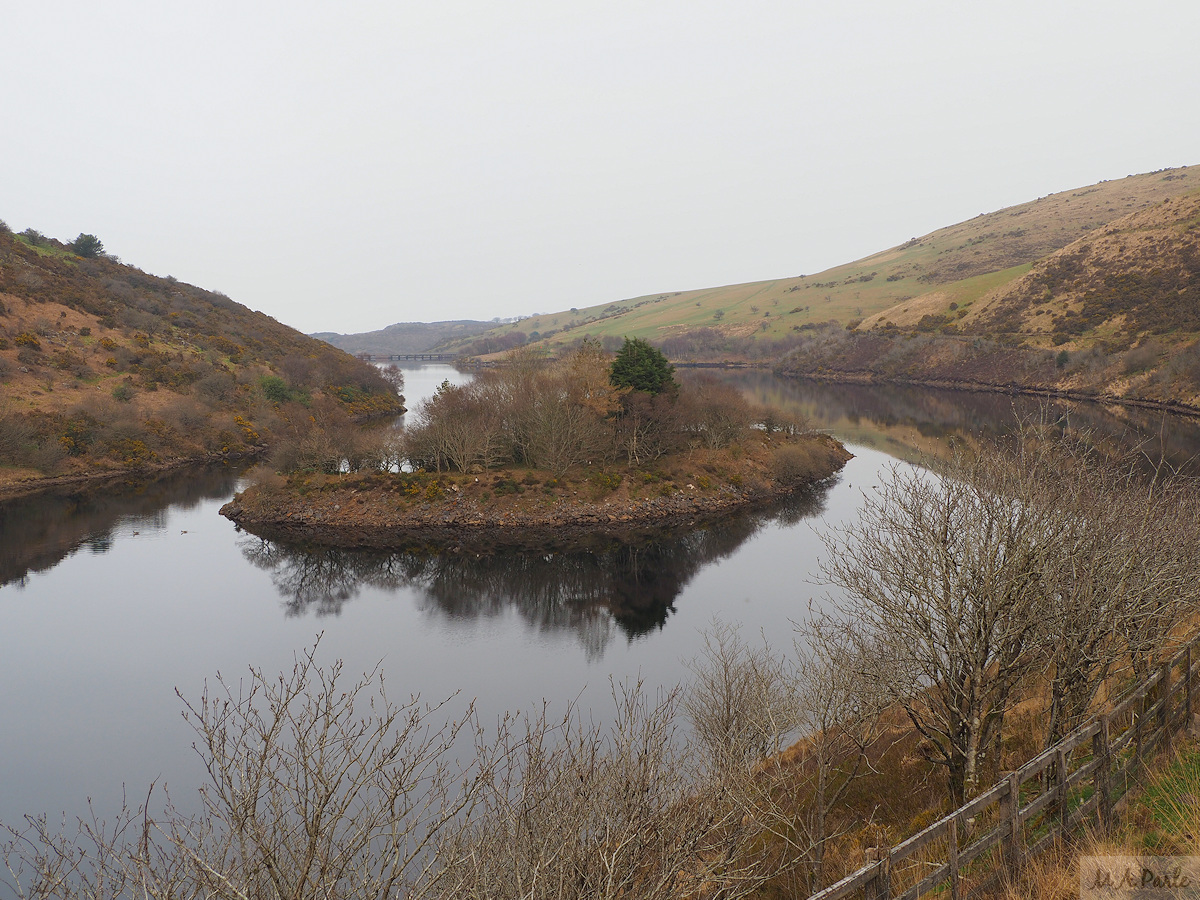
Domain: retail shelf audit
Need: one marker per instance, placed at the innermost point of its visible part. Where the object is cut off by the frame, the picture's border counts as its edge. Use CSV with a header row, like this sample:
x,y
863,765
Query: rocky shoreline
x,y
352,513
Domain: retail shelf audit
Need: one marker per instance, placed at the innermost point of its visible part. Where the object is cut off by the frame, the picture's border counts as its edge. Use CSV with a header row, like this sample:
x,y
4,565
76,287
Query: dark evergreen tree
x,y
88,246
643,368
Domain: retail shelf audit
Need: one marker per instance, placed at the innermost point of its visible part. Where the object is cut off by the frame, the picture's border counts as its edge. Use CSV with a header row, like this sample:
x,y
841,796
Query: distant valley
x,y
407,337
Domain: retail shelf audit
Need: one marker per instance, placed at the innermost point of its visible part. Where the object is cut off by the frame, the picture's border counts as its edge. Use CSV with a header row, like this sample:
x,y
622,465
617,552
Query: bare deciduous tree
x,y
841,719
1122,540
745,700
942,583
741,699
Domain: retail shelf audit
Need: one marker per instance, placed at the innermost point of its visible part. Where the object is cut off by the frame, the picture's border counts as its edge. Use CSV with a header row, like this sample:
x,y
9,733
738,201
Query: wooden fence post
x,y
1102,780
1138,708
1060,788
1187,688
1164,709
952,858
1010,817
880,885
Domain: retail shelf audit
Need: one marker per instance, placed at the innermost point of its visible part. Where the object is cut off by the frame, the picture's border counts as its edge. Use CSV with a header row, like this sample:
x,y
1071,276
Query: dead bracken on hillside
x,y
106,368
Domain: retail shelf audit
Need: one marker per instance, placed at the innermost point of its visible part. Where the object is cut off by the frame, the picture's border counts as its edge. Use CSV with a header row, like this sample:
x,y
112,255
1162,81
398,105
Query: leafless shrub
x,y
394,376
717,414
841,717
315,789
323,791
802,463
741,700
779,421
1142,357
1125,541
648,427
562,430
459,427
322,438
1044,557
579,811
297,369
186,415
551,416
217,386
19,439
745,700
320,789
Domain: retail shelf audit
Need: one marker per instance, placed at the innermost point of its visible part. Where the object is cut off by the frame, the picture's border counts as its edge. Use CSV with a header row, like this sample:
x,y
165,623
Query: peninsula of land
x,y
544,449
522,508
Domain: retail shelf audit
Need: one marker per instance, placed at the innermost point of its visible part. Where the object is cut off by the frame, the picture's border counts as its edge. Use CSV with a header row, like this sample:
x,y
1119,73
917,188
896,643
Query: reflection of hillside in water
x,y
913,422
627,584
39,531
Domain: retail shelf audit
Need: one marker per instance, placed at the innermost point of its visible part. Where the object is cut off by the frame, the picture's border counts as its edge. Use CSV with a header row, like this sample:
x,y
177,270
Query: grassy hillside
x,y
406,337
959,265
1115,314
1137,278
104,368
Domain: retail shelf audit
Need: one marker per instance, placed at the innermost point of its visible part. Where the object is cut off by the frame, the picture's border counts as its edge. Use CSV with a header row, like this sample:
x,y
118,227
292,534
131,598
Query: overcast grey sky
x,y
346,166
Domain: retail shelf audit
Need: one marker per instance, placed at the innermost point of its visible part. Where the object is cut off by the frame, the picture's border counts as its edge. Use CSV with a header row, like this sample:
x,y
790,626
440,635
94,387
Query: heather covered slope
x,y
1137,278
1116,311
104,367
1114,315
958,264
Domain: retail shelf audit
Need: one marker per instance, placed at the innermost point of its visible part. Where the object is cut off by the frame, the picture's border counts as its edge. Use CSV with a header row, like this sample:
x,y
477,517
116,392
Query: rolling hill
x,y
106,368
758,320
1113,315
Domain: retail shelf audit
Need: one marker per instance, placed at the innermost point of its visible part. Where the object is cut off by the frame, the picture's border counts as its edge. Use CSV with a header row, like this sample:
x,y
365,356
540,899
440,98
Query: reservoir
x,y
114,599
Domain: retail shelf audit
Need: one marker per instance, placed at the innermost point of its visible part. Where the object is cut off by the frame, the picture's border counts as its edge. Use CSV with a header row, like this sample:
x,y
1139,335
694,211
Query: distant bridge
x,y
427,357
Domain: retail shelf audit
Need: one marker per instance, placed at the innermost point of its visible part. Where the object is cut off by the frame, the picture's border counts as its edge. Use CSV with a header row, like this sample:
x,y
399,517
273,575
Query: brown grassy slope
x,y
1114,314
1132,277
104,367
1136,277
963,261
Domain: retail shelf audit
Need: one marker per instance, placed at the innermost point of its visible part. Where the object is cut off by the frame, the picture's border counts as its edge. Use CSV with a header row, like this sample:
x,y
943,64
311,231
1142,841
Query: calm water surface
x,y
112,601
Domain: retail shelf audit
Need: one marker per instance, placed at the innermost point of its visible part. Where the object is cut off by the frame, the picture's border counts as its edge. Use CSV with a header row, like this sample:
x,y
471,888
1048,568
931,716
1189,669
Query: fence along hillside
x,y
1082,777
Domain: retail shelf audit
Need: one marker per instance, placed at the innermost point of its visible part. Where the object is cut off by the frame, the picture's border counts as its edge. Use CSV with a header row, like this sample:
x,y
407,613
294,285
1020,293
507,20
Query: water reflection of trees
x,y
628,584
39,531
879,415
